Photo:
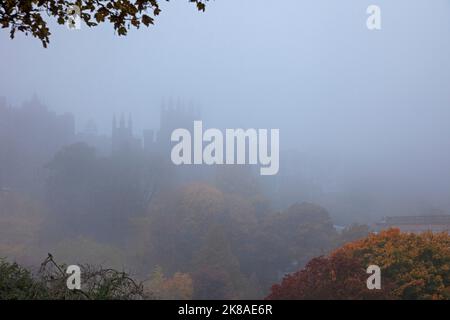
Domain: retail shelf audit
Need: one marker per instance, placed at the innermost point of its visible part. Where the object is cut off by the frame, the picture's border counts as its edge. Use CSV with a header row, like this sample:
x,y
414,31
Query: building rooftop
x,y
432,219
435,223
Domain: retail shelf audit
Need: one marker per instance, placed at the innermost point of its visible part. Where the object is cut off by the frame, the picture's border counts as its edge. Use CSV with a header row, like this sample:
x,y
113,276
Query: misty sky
x,y
258,57
311,68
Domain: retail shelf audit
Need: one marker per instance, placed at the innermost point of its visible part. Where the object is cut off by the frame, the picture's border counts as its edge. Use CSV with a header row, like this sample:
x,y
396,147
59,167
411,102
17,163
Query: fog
x,y
364,116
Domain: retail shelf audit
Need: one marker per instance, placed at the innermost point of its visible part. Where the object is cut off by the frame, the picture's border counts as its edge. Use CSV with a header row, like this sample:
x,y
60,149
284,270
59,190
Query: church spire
x,y
122,121
130,123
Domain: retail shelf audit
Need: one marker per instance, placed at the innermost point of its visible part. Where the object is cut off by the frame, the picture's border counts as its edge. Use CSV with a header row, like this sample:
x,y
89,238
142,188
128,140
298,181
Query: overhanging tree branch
x,y
27,16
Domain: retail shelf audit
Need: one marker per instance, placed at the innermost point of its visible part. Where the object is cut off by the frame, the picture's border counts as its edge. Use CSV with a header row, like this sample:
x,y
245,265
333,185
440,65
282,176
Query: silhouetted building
x,y
30,136
122,137
416,224
175,116
154,141
91,136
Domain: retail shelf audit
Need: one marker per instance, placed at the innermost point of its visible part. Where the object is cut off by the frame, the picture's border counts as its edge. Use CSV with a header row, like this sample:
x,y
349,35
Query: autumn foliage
x,y
30,17
337,277
413,266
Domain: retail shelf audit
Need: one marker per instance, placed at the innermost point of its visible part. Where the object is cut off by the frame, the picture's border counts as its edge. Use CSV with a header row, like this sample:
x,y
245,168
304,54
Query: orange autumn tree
x,y
337,277
413,266
418,264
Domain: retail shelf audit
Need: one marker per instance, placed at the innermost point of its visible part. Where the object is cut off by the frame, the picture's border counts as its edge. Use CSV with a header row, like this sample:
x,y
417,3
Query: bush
x,y
50,283
17,283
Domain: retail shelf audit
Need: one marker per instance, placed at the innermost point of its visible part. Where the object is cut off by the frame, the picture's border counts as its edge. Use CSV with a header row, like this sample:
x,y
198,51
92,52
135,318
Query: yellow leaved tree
x,y
417,264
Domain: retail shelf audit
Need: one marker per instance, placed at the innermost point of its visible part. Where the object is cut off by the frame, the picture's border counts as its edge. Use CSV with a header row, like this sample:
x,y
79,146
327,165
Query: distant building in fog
x,y
173,116
91,136
30,136
122,138
416,224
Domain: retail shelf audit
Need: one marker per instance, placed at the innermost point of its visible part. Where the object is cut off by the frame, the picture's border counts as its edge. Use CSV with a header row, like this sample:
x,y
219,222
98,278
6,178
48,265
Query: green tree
x,y
289,239
17,283
216,270
50,283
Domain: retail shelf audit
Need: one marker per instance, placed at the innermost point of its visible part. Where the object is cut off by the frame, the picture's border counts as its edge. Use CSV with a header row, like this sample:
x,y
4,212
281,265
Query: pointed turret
x,y
130,123
122,121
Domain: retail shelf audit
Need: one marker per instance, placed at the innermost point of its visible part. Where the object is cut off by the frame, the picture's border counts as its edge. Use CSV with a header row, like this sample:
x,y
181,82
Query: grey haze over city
x,y
358,110
88,180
